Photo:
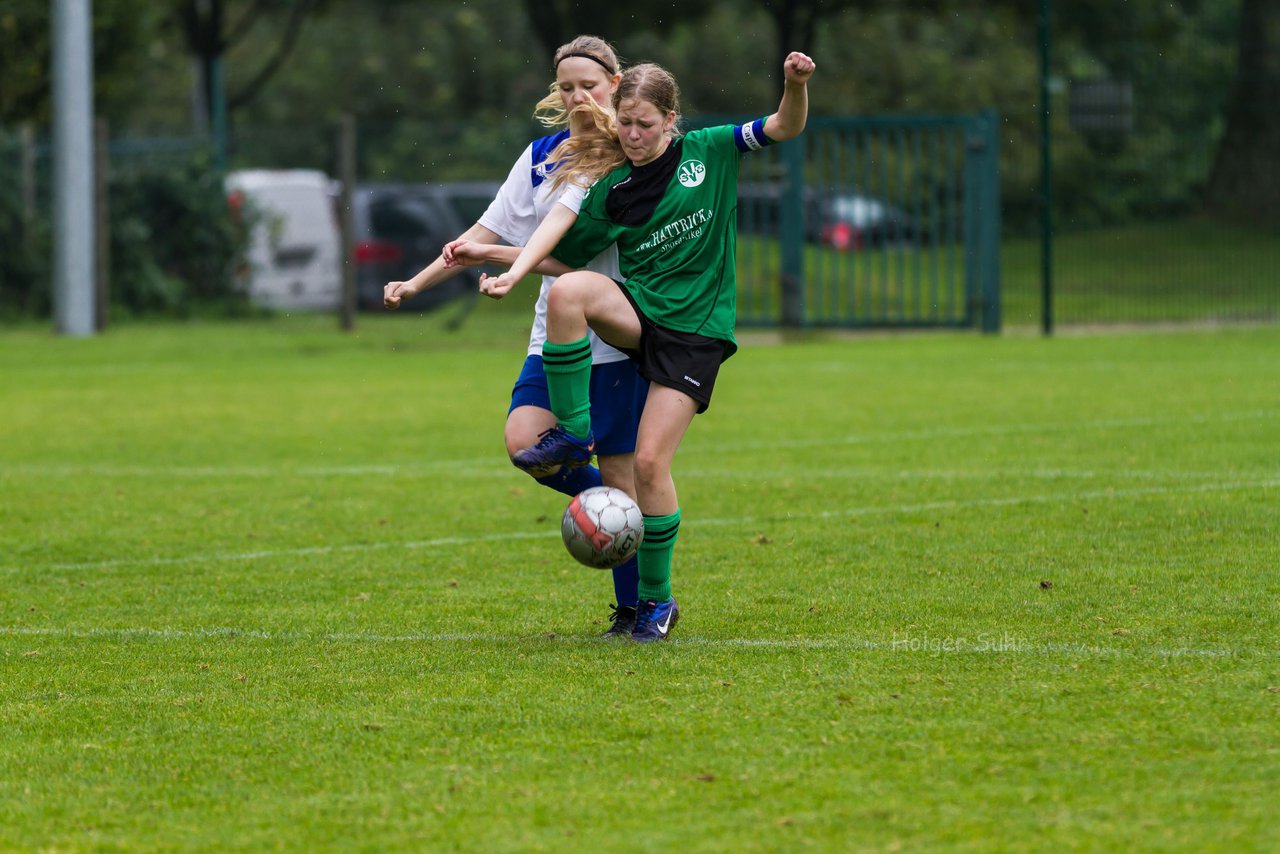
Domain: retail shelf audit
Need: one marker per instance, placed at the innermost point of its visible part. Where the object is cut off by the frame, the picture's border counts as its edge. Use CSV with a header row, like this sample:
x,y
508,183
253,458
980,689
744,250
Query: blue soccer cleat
x,y
556,447
655,620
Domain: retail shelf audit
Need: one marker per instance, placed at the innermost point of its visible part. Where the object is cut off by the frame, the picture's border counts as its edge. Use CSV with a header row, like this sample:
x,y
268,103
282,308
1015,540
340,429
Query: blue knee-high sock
x,y
626,580
571,481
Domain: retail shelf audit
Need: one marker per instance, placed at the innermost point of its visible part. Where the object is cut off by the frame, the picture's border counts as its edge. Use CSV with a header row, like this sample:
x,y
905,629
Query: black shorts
x,y
684,361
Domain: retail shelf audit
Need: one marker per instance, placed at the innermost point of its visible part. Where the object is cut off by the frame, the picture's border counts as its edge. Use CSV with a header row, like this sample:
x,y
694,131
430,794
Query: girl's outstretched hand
x,y
798,67
463,253
393,293
496,287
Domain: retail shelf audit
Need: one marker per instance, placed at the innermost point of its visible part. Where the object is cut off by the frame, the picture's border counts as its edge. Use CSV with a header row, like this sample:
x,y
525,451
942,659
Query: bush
x,y
175,246
25,260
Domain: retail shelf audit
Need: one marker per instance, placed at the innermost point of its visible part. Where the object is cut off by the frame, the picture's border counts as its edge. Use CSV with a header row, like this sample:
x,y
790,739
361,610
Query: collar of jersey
x,y
633,200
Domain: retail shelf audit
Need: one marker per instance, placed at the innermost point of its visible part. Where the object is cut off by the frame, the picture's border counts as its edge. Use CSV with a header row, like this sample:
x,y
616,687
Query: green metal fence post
x,y
990,275
982,223
1046,175
975,142
792,233
860,223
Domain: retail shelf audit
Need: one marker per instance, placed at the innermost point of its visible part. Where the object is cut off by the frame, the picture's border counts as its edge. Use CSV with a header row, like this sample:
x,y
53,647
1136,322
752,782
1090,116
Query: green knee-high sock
x,y
655,556
568,369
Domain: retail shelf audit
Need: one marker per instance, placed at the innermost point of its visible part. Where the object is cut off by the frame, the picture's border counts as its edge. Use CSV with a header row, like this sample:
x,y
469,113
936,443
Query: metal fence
x,y
873,222
906,221
1135,136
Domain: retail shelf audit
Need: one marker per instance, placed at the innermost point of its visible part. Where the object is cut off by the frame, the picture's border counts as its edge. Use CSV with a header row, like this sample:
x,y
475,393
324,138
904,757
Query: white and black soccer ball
x,y
602,527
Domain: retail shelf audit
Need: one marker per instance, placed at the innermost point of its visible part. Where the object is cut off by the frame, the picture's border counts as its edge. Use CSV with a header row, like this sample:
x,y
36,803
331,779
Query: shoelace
x,y
547,436
616,613
546,440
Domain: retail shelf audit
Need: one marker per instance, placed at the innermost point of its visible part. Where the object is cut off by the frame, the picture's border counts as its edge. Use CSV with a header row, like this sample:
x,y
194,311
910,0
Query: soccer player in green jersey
x,y
671,210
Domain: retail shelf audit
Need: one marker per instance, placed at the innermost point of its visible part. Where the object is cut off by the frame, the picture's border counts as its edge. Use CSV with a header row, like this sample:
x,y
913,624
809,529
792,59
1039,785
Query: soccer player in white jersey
x,y
586,69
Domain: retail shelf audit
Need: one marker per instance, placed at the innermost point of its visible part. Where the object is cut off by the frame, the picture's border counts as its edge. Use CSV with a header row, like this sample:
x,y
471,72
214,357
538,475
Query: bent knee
x,y
651,468
571,288
525,425
517,438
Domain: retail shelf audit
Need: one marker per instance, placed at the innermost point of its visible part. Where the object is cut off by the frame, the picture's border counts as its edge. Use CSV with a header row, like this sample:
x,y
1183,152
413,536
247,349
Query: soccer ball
x,y
602,527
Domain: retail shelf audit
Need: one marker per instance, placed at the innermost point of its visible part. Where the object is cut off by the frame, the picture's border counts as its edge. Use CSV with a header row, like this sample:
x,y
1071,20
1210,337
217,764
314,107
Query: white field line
x,y
494,465
995,474
906,644
995,430
1090,495
508,472
847,513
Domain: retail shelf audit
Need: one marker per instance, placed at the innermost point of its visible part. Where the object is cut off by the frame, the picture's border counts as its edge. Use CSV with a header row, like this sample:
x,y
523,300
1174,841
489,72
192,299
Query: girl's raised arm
x,y
793,111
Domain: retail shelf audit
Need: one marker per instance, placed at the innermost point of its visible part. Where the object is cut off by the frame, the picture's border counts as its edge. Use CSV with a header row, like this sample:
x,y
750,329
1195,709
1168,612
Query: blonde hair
x,y
592,150
589,154
595,151
550,111
653,83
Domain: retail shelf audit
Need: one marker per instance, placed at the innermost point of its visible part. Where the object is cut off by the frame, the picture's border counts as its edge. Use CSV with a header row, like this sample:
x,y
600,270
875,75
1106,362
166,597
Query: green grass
x,y
1193,270
1177,272
270,586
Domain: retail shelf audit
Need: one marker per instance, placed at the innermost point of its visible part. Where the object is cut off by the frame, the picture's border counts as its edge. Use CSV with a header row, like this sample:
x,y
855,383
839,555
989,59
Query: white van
x,y
295,255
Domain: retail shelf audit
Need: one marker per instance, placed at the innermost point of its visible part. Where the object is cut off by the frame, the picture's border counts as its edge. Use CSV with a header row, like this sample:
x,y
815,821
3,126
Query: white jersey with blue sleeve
x,y
514,214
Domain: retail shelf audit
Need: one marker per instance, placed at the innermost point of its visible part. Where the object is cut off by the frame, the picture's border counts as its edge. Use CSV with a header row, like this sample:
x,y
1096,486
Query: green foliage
x,y
128,38
941,593
444,90
1159,169
174,245
25,35
25,260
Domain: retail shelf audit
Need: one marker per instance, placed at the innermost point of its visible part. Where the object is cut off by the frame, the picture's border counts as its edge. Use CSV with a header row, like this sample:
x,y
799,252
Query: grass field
x,y
1190,270
267,586
1183,271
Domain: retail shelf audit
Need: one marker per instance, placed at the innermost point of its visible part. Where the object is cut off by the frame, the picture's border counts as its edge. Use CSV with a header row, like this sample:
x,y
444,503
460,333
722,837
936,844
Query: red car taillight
x,y
378,252
843,236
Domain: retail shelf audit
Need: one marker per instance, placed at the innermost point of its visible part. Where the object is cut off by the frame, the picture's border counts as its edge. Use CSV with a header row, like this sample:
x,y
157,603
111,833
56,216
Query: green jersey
x,y
674,221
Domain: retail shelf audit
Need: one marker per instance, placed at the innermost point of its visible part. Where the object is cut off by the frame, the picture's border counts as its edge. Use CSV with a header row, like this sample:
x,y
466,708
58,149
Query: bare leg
x,y
619,470
667,415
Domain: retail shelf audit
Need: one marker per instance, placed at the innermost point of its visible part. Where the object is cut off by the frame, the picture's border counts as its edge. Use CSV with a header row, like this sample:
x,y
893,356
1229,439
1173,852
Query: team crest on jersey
x,y
692,172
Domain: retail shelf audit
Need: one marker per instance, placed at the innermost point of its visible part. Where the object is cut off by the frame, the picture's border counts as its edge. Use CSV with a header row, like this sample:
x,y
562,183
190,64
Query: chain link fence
x,y
1137,235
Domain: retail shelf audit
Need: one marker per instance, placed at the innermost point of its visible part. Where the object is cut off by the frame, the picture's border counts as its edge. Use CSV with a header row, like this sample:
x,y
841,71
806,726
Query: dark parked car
x,y
842,220
857,221
400,228
760,208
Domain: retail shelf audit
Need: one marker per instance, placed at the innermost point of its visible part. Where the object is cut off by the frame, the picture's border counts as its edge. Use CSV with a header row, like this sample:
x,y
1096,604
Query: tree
x,y
796,21
209,31
1246,174
123,32
24,63
555,22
